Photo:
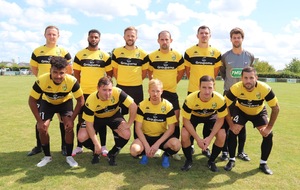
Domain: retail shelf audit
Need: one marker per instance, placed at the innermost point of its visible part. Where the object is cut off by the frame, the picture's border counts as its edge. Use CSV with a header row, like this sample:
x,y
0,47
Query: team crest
x,y
212,52
138,55
58,52
173,57
64,87
214,105
163,109
258,95
112,99
101,56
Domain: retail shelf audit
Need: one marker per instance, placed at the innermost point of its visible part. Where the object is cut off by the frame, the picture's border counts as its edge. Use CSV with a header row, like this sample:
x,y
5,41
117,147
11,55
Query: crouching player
x,y
155,125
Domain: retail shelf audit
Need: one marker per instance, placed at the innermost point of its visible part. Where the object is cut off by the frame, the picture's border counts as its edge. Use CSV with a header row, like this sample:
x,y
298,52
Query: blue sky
x,y
272,28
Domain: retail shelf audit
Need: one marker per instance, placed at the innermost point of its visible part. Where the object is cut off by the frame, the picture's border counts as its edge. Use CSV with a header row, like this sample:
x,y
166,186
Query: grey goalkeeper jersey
x,y
232,66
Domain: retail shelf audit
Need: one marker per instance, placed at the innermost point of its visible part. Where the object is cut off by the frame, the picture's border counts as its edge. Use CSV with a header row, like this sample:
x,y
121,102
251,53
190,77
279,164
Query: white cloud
x,y
9,9
107,9
232,7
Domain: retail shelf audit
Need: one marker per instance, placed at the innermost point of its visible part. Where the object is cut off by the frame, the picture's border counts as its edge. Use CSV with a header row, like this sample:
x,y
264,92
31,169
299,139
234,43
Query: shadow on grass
x,y
135,176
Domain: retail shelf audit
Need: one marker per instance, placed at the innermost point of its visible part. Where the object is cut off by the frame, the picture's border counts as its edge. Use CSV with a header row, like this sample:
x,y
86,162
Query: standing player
x,y
130,68
155,125
203,106
102,108
91,64
40,64
56,90
167,65
233,61
201,59
249,95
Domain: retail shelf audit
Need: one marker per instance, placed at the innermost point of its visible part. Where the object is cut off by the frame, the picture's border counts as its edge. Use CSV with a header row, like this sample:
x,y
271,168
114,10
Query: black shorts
x,y
208,122
171,97
152,140
113,122
135,92
241,118
47,110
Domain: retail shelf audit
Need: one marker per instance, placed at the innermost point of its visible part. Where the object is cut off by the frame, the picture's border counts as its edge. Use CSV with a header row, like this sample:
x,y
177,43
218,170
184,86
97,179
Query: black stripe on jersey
x,y
186,108
270,96
205,111
122,97
75,87
139,111
92,62
37,88
154,117
230,96
171,113
250,104
87,111
42,59
130,61
108,109
203,60
221,109
164,65
55,96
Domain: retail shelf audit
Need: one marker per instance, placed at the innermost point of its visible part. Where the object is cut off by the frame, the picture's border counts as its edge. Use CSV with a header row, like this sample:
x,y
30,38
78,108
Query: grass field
x,y
17,171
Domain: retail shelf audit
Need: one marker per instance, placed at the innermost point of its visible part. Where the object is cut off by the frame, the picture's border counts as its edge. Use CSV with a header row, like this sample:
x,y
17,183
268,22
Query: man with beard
x,y
201,59
102,108
56,90
249,95
130,67
233,61
40,64
91,64
167,65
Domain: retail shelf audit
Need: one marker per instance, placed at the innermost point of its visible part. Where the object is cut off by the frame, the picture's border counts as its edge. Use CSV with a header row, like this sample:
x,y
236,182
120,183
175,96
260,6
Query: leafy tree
x,y
293,66
263,67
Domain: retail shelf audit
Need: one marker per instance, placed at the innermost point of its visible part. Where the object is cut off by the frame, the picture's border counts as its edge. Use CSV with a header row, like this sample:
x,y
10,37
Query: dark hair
x,y
249,70
203,27
51,27
94,31
206,78
237,30
104,81
164,31
58,62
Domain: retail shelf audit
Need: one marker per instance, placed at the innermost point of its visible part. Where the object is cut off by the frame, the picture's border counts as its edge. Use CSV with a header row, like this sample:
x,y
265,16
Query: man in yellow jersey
x,y
249,95
203,106
155,126
130,67
102,108
201,59
90,64
56,90
167,65
39,64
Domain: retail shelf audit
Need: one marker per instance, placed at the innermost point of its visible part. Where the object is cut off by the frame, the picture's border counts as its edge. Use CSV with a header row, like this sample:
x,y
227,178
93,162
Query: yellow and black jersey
x,y
130,64
92,65
252,102
94,107
53,93
155,118
193,105
165,67
40,57
201,61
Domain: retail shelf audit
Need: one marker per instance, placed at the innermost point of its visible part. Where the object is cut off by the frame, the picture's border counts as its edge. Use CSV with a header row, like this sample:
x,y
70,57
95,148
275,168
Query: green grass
x,y
17,171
